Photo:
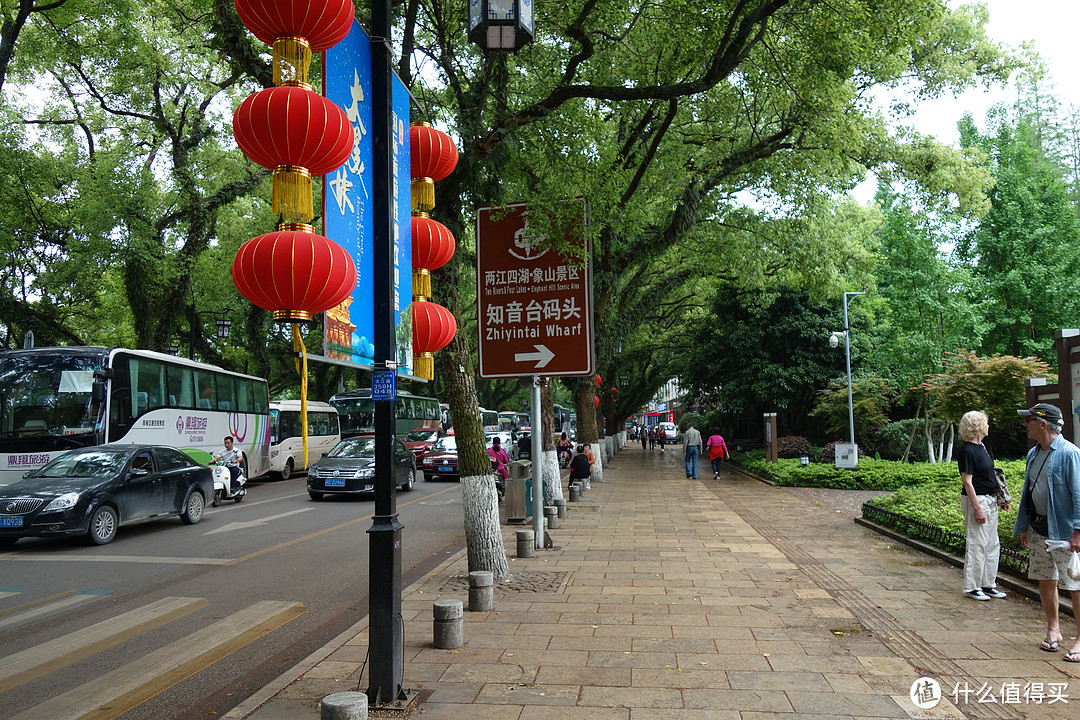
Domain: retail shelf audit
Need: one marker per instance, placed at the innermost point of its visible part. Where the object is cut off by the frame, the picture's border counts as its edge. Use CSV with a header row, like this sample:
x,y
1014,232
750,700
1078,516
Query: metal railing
x,y
1013,560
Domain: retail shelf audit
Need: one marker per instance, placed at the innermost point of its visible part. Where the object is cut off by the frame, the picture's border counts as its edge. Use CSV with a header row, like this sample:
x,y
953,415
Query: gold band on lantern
x,y
292,58
292,193
423,193
297,227
424,365
421,283
292,316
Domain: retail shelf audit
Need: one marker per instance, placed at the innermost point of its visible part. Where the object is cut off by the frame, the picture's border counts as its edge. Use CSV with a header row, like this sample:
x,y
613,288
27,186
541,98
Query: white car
x,y
671,432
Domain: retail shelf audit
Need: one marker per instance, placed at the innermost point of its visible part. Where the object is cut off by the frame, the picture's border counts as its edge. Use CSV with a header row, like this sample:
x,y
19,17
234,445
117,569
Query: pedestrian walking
x,y
1050,510
661,437
691,445
717,451
652,437
978,499
643,435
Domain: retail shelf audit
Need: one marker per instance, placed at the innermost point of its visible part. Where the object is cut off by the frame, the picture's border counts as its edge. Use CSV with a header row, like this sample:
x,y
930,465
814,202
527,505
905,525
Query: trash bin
x,y
518,499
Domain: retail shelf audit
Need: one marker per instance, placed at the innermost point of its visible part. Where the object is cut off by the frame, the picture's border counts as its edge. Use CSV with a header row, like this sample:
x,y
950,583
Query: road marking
x,y
151,559
116,692
324,531
21,667
255,523
22,614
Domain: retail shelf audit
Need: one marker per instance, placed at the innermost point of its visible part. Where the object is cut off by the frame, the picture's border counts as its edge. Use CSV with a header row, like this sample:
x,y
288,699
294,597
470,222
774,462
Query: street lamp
x,y
501,24
834,340
221,321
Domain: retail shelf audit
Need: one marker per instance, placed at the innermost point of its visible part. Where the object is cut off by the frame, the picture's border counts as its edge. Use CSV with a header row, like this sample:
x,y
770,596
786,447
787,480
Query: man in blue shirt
x,y
1050,510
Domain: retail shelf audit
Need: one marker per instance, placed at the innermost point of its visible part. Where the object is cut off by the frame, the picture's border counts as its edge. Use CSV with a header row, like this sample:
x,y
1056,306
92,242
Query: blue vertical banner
x,y
349,328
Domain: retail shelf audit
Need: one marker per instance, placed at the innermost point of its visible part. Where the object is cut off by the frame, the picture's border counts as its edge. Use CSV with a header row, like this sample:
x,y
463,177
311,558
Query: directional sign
x,y
534,304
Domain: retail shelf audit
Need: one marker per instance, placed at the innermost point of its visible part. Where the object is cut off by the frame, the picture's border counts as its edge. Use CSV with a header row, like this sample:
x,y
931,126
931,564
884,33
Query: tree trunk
x,y
546,427
587,423
483,535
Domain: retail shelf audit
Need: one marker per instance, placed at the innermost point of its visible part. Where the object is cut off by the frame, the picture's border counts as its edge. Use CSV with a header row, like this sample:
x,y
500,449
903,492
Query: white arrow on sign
x,y
254,523
542,357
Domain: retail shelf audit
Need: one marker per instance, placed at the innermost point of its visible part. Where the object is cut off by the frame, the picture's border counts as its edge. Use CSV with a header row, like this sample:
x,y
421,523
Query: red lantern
x,y
433,156
596,401
433,328
293,273
432,247
597,380
296,28
296,133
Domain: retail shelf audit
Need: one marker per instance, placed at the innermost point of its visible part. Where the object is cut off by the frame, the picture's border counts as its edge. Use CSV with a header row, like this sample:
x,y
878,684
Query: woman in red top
x,y
717,451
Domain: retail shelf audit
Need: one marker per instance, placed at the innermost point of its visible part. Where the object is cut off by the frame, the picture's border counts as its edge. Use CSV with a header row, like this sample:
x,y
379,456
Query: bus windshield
x,y
357,414
45,401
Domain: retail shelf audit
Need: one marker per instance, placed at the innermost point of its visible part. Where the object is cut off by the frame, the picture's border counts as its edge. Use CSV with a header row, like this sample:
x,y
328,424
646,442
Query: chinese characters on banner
x,y
534,305
348,212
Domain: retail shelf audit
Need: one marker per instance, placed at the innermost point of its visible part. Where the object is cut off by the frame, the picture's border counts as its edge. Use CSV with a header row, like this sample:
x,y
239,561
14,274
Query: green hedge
x,y
870,475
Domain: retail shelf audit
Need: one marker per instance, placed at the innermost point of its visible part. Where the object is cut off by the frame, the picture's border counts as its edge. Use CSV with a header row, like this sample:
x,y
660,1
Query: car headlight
x,y
429,461
365,473
64,502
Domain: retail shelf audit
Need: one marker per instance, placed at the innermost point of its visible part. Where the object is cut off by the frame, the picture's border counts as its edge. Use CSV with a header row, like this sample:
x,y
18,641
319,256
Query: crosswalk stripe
x,y
116,692
21,667
32,611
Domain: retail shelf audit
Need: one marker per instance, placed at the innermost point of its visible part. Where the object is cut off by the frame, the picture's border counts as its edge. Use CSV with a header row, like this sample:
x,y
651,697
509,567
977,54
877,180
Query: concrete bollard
x,y
526,543
481,590
560,506
344,706
447,630
575,492
551,515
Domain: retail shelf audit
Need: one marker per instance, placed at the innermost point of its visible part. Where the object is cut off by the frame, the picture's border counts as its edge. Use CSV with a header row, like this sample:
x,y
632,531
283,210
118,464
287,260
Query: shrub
x,y
695,419
891,439
794,446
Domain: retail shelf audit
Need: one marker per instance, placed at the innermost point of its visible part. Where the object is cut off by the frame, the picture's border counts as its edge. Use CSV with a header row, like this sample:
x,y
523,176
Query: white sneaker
x,y
977,594
993,592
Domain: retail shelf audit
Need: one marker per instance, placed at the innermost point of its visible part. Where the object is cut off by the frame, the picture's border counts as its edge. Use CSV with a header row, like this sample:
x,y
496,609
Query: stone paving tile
x,y
631,697
631,659
682,714
490,672
543,712
741,700
535,694
777,680
671,677
568,675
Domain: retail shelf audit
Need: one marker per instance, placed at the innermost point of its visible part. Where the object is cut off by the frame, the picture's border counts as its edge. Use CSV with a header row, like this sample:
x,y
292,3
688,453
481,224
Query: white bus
x,y
286,435
57,398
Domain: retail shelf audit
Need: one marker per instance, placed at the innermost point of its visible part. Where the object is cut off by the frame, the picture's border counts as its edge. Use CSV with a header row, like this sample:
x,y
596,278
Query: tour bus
x,y
562,420
508,420
54,399
490,420
286,435
356,411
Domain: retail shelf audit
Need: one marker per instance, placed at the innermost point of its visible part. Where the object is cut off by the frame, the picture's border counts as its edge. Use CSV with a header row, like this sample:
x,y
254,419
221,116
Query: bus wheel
x,y
286,471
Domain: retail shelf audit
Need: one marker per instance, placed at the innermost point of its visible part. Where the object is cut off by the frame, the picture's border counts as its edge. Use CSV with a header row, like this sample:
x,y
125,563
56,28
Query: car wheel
x,y
286,472
410,483
193,512
316,496
102,526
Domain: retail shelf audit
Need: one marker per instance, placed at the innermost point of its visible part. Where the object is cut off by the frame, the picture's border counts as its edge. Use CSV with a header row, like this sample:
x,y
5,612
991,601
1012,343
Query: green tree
x,y
1025,252
870,401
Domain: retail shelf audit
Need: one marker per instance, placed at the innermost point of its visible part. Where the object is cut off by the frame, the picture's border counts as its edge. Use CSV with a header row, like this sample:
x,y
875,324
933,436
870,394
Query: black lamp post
x,y
505,25
221,322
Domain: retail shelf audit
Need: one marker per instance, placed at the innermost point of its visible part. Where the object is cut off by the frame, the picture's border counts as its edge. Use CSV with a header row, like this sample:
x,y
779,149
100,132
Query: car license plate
x,y
446,468
335,482
14,521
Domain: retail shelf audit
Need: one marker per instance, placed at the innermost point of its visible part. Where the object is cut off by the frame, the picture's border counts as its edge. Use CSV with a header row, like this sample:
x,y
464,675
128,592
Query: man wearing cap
x,y
1050,509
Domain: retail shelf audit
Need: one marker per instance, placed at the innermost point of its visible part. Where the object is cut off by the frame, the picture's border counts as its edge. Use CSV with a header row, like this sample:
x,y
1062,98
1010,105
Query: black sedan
x,y
349,469
92,491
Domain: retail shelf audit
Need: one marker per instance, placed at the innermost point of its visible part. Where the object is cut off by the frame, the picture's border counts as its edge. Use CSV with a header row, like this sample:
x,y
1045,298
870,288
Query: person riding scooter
x,y
230,458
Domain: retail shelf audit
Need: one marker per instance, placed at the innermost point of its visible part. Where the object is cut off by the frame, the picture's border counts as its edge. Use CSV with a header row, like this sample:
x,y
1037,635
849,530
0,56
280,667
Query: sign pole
x,y
537,464
386,634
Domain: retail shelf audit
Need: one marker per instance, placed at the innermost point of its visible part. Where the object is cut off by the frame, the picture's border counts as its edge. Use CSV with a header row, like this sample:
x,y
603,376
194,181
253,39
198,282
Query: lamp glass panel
x,y
526,9
501,9
476,13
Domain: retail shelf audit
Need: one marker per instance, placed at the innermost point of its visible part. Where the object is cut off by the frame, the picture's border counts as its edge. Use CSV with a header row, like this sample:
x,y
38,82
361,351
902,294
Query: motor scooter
x,y
225,488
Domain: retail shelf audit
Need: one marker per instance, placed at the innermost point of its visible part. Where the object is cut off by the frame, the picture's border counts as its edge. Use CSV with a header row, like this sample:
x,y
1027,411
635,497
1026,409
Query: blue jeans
x,y
691,460
716,463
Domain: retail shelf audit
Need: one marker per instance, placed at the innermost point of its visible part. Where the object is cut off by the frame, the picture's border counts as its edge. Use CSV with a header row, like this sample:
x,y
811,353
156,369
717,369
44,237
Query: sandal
x,y
1072,656
1049,645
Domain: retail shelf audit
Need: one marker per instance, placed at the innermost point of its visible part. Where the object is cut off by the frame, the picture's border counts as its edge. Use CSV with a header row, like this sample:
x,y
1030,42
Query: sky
x,y
1051,25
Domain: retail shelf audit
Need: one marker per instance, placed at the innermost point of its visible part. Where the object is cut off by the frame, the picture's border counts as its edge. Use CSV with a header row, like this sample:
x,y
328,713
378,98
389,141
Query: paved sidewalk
x,y
702,599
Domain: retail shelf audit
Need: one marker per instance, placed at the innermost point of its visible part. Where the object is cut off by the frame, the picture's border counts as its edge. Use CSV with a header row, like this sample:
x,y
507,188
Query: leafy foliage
x,y
870,400
794,446
994,385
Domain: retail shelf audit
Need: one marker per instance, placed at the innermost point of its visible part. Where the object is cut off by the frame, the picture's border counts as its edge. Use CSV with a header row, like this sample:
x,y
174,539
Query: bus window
x,y
207,396
226,394
179,387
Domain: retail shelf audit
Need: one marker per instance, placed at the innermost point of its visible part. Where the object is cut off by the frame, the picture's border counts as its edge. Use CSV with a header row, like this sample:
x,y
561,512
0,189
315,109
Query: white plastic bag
x,y
1074,566
1052,545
